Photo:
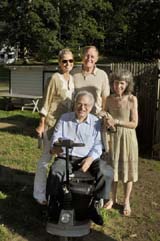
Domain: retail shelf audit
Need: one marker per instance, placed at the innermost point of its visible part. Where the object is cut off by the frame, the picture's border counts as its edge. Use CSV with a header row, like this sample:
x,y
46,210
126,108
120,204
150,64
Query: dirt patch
x,y
6,125
21,125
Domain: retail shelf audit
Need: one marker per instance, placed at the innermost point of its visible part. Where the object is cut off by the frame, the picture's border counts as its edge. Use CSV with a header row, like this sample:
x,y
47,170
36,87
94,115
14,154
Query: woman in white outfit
x,y
57,100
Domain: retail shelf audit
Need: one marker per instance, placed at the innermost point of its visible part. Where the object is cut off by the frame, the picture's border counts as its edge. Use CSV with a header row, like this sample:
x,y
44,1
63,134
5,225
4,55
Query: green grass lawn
x,y
18,140
21,219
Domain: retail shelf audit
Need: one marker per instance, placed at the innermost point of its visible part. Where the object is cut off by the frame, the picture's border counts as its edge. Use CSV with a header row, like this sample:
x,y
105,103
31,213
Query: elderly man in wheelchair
x,y
76,182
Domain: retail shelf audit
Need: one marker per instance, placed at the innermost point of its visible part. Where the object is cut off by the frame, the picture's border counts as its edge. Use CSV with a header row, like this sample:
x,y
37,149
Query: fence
x,y
137,68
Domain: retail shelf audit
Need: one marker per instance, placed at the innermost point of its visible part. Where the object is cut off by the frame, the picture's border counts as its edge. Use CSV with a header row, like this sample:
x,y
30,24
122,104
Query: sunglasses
x,y
64,61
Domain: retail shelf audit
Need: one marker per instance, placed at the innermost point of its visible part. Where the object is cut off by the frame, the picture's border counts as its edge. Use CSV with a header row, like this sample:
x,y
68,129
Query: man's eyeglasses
x,y
83,105
64,61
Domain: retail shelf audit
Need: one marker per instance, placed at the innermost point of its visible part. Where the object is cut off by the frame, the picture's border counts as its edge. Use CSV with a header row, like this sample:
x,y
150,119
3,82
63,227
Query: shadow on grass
x,y
19,211
19,124
98,236
22,215
118,207
10,176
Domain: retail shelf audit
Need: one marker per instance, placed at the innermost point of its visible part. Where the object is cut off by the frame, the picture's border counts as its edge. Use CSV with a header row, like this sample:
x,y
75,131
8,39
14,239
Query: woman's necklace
x,y
67,79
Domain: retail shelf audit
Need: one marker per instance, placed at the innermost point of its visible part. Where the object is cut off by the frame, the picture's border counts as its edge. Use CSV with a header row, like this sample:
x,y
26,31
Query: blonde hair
x,y
64,51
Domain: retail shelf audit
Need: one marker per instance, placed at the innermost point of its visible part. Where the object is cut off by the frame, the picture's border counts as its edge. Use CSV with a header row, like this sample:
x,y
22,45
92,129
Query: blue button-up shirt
x,y
87,132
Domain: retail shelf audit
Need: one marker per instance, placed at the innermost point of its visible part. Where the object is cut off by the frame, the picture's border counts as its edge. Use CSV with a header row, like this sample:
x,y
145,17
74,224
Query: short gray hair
x,y
86,48
84,93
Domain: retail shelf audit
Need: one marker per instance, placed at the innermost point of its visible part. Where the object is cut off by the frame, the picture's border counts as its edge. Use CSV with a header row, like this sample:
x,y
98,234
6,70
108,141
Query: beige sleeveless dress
x,y
123,144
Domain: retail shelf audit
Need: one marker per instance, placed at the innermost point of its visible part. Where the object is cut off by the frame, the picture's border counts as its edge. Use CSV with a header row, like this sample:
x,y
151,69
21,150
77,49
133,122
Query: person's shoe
x,y
94,215
127,210
109,204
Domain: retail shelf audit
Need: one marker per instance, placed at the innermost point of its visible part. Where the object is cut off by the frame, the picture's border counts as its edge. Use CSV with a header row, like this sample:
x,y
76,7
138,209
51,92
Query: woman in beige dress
x,y
120,121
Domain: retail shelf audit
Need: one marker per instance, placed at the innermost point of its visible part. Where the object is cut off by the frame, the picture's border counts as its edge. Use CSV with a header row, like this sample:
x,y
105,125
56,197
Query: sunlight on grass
x,y
156,165
107,215
3,195
4,233
19,152
17,113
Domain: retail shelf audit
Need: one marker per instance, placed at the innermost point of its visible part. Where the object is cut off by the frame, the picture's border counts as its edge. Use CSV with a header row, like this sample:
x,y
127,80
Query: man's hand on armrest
x,y
86,163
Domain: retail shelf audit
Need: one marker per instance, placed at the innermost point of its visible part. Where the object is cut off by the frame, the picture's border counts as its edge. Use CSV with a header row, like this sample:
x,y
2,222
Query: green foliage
x,y
144,28
115,27
3,195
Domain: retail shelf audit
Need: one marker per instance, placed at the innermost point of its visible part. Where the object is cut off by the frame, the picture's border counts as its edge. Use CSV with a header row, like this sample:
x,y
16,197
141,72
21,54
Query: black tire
x,y
70,238
65,239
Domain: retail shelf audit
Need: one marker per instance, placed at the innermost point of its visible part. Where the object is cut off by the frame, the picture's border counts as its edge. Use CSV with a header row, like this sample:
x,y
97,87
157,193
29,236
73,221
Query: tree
x,y
124,28
144,34
82,22
117,27
34,25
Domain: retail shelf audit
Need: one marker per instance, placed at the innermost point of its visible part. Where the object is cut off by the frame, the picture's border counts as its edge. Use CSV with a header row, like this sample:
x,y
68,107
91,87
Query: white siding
x,y
27,80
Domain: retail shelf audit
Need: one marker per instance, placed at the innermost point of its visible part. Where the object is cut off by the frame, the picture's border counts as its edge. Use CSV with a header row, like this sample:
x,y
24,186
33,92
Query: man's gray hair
x,y
86,48
84,93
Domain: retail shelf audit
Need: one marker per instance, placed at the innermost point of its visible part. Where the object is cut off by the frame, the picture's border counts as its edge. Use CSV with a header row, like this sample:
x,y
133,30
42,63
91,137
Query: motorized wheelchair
x,y
68,213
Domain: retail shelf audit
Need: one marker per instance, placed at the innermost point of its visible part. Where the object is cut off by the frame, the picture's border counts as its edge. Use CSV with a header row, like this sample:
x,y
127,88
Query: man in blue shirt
x,y
80,127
